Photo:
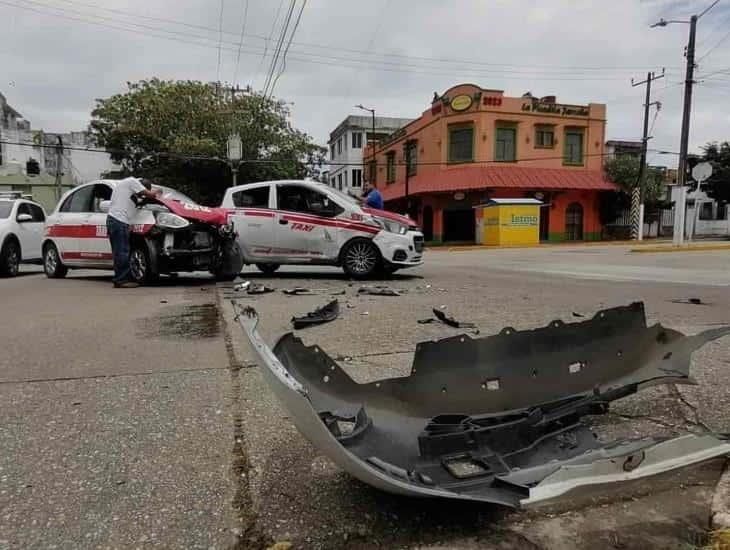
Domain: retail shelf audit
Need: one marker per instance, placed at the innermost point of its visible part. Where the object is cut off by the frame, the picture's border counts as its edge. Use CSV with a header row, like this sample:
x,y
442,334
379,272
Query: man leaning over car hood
x,y
122,209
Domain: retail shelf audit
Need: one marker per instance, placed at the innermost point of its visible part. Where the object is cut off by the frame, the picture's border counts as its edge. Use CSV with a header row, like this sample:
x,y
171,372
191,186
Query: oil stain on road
x,y
182,321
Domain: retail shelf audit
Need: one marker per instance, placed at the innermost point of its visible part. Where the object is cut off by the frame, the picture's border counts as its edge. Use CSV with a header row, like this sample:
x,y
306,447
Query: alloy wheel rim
x,y
13,261
361,258
51,260
138,265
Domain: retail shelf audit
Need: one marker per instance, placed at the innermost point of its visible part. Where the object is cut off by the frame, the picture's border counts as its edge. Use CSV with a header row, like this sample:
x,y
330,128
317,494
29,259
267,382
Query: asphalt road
x,y
137,418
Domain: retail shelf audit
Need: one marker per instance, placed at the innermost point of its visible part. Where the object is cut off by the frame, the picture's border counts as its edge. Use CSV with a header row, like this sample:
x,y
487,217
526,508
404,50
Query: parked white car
x,y
21,232
306,222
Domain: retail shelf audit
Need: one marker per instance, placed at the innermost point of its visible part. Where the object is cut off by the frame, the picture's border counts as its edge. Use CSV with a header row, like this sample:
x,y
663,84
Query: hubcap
x,y
51,260
137,264
361,258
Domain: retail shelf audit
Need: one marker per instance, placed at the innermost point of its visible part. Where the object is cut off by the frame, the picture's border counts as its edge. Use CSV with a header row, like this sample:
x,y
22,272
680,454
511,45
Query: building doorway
x,y
545,222
459,225
574,222
427,223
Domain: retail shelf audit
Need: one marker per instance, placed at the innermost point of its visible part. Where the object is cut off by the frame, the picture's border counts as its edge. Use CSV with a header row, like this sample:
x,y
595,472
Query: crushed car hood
x,y
196,212
494,419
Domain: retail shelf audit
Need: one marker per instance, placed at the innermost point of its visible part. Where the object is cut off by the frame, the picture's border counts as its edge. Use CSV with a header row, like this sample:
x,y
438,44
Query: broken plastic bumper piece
x,y
494,419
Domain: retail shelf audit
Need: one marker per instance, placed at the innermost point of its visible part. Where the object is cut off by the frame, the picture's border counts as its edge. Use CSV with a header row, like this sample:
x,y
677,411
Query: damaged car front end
x,y
495,419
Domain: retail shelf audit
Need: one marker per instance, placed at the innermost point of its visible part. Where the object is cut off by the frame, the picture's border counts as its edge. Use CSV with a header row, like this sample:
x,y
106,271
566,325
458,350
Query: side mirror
x,y
104,206
22,218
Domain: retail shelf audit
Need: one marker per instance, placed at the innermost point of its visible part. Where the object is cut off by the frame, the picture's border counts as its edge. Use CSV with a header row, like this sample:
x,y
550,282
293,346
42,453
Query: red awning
x,y
493,177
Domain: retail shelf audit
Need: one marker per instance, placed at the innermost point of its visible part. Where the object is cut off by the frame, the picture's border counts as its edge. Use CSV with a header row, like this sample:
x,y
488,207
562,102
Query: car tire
x,y
52,262
231,262
142,269
9,259
360,258
268,269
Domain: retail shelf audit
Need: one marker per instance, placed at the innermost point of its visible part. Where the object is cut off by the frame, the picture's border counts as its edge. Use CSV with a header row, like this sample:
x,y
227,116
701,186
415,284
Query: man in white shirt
x,y
121,211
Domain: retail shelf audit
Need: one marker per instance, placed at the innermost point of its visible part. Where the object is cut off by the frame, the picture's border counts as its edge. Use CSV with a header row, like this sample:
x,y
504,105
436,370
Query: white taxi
x,y
21,232
307,222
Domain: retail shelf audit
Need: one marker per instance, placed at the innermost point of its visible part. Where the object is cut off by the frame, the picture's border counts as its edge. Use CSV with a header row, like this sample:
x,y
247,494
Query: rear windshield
x,y
5,208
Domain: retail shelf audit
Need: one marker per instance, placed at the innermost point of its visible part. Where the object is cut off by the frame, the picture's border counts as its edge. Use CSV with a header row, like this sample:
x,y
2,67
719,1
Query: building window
x,y
544,137
706,211
573,147
332,151
357,140
390,172
339,146
412,157
461,144
372,169
505,142
339,181
332,181
357,177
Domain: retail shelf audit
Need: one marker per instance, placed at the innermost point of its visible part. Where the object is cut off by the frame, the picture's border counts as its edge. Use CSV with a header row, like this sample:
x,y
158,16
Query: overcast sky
x,y
57,56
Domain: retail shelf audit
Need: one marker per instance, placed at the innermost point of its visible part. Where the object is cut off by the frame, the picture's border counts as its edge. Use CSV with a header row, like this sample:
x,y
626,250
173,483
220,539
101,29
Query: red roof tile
x,y
485,177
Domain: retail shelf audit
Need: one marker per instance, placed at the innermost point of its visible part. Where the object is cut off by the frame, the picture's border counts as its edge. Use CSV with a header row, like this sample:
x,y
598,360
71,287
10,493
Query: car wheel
x,y
360,258
10,259
268,269
140,266
52,263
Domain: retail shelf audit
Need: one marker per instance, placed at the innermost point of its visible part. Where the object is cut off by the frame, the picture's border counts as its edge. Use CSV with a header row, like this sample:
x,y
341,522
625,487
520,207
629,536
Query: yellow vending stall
x,y
508,222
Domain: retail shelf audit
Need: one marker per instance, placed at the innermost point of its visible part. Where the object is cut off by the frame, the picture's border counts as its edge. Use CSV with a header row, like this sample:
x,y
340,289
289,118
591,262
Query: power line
x,y
708,52
286,51
530,69
271,34
240,42
185,156
279,44
319,59
220,43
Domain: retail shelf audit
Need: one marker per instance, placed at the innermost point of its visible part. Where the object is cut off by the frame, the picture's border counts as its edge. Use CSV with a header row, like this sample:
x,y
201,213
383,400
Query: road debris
x,y
242,286
259,288
324,314
494,419
446,319
297,291
692,301
378,291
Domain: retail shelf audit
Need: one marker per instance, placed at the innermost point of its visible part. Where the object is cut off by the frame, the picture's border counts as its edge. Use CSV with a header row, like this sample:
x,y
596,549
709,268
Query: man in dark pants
x,y
121,212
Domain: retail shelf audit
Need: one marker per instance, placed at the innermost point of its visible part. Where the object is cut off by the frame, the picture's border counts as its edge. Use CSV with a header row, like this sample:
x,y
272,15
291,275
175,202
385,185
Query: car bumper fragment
x,y
494,419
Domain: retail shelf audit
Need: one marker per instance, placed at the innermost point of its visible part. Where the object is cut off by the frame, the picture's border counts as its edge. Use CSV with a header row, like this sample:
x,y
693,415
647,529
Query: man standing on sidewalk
x,y
122,209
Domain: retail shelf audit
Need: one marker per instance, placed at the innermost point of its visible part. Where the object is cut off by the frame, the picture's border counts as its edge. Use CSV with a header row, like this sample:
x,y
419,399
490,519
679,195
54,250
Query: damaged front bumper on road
x,y
494,419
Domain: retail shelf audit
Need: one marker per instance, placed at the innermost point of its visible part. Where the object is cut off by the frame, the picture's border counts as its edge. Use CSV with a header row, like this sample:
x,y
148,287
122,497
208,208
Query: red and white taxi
x,y
307,222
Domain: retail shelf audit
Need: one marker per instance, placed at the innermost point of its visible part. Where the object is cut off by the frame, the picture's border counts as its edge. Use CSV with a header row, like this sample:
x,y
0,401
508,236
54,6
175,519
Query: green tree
x,y
624,171
717,186
176,132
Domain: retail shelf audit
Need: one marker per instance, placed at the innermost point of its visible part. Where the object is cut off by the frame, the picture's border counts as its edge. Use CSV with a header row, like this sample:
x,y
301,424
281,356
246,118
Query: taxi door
x,y
95,246
306,227
253,220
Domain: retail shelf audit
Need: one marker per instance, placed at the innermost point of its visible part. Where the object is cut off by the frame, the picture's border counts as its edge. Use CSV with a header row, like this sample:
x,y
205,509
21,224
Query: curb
x,y
686,248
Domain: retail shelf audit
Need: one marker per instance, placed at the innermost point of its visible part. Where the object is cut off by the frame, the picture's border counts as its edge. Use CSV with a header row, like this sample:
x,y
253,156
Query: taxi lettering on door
x,y
302,227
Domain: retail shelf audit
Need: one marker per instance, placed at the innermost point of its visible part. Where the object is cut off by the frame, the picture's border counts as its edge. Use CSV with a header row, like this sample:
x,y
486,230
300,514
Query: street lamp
x,y
372,112
235,153
684,139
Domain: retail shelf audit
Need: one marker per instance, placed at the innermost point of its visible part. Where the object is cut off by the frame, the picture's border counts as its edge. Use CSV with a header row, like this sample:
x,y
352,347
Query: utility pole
x,y
637,210
59,166
372,114
679,209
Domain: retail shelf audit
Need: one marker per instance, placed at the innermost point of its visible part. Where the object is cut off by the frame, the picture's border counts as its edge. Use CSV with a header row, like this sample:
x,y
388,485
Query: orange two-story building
x,y
475,144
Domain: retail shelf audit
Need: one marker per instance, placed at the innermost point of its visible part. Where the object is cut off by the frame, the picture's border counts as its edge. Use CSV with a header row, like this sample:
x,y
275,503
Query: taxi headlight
x,y
391,226
167,220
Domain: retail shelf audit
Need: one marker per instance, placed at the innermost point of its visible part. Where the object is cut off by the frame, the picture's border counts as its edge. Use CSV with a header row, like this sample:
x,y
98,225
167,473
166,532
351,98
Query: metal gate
x,y
574,222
